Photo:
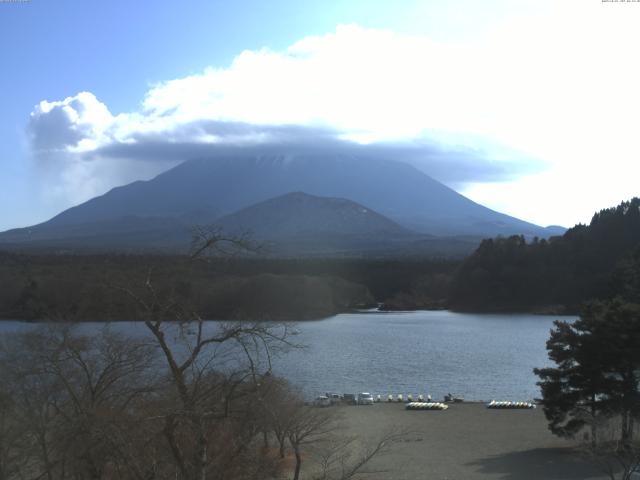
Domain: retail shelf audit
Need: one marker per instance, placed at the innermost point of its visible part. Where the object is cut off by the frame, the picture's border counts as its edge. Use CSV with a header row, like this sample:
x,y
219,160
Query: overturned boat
x,y
510,405
426,406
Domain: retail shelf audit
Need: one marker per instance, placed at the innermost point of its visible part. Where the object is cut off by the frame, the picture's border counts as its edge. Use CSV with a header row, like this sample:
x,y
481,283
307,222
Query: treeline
x,y
88,287
588,262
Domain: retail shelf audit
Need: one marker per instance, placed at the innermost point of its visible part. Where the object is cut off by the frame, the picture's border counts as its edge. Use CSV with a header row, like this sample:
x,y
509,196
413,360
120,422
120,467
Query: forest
x,y
557,275
88,287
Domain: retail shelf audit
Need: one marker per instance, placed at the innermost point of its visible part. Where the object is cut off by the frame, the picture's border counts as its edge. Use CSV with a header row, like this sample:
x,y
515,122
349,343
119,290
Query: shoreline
x,y
374,311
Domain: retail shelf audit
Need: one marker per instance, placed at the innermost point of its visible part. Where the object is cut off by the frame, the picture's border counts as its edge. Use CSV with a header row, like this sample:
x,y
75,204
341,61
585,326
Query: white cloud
x,y
69,124
372,84
559,87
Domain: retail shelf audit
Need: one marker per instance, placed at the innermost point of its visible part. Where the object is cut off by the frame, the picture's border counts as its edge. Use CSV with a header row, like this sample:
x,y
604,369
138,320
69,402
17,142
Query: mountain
x,y
300,224
207,190
294,223
298,214
554,231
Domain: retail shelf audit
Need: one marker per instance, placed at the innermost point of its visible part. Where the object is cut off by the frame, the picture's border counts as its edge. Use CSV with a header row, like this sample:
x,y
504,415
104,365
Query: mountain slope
x,y
299,214
214,187
126,232
299,224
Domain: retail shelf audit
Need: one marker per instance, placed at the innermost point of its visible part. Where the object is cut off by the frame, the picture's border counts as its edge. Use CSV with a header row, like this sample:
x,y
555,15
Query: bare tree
x,y
277,403
214,370
77,398
308,425
211,240
619,459
317,431
343,457
10,437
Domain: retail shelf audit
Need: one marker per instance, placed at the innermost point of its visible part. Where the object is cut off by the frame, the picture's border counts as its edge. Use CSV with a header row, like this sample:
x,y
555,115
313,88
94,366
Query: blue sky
x,y
541,96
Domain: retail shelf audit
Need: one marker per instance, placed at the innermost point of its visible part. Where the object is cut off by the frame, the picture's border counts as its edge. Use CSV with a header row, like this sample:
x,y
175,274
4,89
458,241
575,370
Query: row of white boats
x,y
494,404
400,398
420,403
426,406
491,404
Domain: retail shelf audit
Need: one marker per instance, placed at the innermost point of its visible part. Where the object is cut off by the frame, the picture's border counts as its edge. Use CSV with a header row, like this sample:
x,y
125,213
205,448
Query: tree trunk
x,y
624,416
202,450
169,434
594,423
296,474
45,454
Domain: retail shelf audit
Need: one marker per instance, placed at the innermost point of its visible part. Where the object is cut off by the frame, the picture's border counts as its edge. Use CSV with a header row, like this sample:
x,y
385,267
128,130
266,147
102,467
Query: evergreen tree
x,y
626,277
513,274
597,370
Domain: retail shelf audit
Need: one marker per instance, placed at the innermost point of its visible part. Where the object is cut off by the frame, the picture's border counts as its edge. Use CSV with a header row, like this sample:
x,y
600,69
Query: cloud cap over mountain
x,y
356,89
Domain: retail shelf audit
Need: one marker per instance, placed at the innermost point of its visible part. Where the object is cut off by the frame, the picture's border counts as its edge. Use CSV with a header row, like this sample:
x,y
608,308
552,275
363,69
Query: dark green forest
x,y
90,287
592,261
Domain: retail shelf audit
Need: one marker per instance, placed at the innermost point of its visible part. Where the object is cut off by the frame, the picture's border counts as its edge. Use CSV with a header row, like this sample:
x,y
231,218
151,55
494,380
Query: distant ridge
x,y
159,212
299,214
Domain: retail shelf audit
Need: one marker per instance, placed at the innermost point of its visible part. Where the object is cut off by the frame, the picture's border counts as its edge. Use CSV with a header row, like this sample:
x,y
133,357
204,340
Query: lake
x,y
479,356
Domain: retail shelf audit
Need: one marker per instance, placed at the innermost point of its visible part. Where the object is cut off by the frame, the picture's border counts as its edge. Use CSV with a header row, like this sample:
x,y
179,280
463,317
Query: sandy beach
x,y
468,442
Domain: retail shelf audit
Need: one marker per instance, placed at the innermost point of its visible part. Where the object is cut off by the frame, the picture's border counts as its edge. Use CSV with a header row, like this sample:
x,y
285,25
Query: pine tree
x,y
597,370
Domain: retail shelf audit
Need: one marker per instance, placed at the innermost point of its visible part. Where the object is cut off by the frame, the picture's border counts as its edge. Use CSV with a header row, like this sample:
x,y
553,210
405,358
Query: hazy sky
x,y
528,107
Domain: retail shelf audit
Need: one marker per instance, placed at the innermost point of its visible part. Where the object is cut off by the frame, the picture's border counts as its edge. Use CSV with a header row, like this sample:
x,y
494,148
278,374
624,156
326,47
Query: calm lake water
x,y
479,356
